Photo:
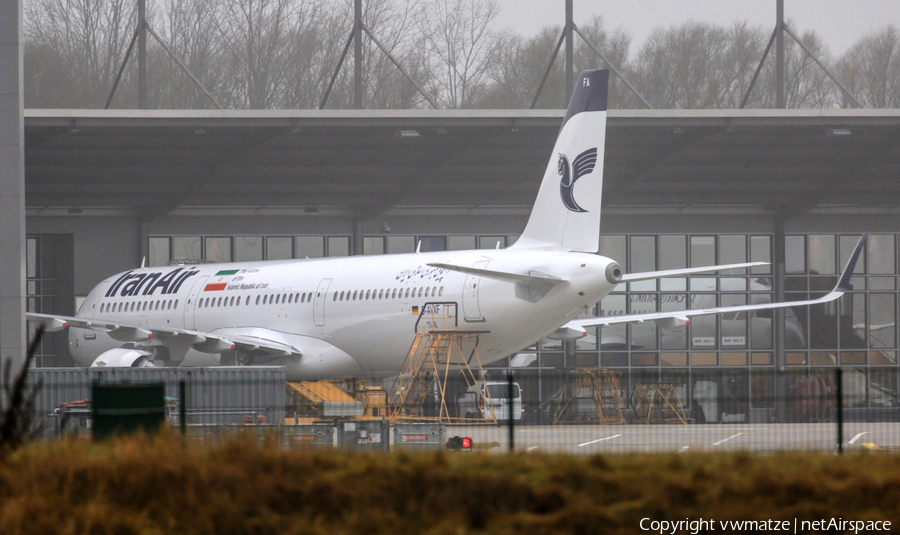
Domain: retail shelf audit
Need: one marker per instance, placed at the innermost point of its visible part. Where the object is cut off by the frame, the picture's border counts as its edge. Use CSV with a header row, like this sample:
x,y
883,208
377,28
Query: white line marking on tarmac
x,y
599,440
727,439
854,439
684,448
532,448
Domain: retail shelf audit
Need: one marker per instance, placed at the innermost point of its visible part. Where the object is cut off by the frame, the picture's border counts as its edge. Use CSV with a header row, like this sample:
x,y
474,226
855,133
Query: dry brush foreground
x,y
160,485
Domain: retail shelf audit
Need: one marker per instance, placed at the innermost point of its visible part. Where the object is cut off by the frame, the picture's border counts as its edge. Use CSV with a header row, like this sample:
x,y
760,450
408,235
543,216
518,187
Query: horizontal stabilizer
x,y
502,275
649,275
683,315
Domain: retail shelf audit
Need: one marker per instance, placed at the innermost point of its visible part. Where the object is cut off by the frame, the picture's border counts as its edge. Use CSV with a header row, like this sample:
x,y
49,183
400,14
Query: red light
x,y
467,443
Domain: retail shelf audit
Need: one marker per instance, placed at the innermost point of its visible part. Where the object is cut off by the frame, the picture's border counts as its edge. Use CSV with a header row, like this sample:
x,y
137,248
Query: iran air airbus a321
x,y
357,316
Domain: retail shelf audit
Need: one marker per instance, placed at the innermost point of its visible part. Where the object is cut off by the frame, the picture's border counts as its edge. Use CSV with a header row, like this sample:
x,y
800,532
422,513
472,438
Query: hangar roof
x,y
362,163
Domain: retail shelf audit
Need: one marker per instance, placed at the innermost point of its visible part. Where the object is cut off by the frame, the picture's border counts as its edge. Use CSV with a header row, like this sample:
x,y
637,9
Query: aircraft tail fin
x,y
566,213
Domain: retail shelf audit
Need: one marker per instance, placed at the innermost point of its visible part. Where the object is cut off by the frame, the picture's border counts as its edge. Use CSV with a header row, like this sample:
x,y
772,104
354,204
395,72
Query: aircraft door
x,y
319,305
190,306
471,308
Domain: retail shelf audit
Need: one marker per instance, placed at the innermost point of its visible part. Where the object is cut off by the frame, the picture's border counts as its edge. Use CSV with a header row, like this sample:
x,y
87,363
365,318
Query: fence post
x,y
839,405
510,411
182,405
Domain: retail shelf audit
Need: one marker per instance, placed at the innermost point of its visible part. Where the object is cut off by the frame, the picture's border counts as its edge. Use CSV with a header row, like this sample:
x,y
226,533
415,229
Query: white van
x,y
472,404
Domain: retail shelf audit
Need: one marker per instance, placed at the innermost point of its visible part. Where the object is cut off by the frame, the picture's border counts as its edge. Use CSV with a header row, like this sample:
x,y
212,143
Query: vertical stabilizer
x,y
567,210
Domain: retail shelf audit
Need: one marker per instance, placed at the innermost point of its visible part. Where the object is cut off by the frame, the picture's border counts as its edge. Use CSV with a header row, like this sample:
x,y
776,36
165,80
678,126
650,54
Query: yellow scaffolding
x,y
657,403
602,388
432,358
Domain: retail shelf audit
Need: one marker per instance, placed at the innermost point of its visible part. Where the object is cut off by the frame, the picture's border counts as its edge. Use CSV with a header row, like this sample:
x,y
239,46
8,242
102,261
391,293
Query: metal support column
x,y
12,186
781,408
779,54
357,56
142,54
570,53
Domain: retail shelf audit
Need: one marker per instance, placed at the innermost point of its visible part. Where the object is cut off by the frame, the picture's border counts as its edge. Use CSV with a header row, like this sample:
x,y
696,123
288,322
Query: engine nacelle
x,y
122,357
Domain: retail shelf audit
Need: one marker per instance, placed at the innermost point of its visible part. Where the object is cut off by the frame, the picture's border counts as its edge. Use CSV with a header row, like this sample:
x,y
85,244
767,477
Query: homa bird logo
x,y
582,165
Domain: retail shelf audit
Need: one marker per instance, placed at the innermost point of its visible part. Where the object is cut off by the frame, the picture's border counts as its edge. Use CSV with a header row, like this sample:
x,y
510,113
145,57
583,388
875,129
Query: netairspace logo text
x,y
671,527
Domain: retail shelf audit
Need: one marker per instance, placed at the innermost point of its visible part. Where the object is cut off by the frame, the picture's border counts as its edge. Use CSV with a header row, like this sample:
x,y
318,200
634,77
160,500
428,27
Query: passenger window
x,y
441,292
426,291
265,299
368,294
257,299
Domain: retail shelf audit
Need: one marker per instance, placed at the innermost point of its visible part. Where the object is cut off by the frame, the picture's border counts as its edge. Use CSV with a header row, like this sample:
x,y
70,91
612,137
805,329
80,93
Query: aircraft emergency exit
x,y
357,316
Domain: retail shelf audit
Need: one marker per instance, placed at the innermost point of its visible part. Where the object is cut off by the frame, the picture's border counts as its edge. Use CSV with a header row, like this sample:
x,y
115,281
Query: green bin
x,y
120,409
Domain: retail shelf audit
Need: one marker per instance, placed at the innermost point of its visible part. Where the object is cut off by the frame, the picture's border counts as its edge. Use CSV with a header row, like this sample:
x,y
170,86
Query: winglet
x,y
844,281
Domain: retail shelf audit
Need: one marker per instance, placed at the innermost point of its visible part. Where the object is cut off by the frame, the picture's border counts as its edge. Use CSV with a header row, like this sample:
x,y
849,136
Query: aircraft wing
x,y
682,316
201,341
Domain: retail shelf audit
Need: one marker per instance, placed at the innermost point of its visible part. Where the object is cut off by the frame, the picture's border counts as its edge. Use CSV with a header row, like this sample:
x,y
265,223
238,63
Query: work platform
x,y
440,358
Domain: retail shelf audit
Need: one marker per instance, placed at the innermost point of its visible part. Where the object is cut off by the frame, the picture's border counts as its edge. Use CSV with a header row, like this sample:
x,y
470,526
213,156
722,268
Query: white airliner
x,y
357,316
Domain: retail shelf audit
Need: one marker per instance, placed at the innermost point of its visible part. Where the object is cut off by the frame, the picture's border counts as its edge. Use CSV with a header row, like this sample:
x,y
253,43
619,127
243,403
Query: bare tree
x,y
518,70
461,48
189,29
871,68
255,35
682,66
73,49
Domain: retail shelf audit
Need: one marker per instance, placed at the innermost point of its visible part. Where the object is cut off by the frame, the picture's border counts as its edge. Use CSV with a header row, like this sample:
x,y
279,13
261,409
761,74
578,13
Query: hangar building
x,y
105,189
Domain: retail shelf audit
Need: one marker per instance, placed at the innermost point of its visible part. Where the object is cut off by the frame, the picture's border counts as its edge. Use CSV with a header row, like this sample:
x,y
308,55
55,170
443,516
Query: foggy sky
x,y
839,22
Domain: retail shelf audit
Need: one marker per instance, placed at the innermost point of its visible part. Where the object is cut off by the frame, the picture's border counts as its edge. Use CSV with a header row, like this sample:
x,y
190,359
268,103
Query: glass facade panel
x,y
821,254
457,243
882,254
672,252
732,250
248,248
373,245
761,251
699,358
491,242
730,358
643,254
734,324
279,248
187,248
761,359
159,251
405,244
310,246
882,321
703,251
883,390
794,254
703,328
433,243
673,359
218,250
338,246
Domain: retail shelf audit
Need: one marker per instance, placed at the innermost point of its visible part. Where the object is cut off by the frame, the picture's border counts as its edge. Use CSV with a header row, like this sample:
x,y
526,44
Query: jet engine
x,y
123,357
